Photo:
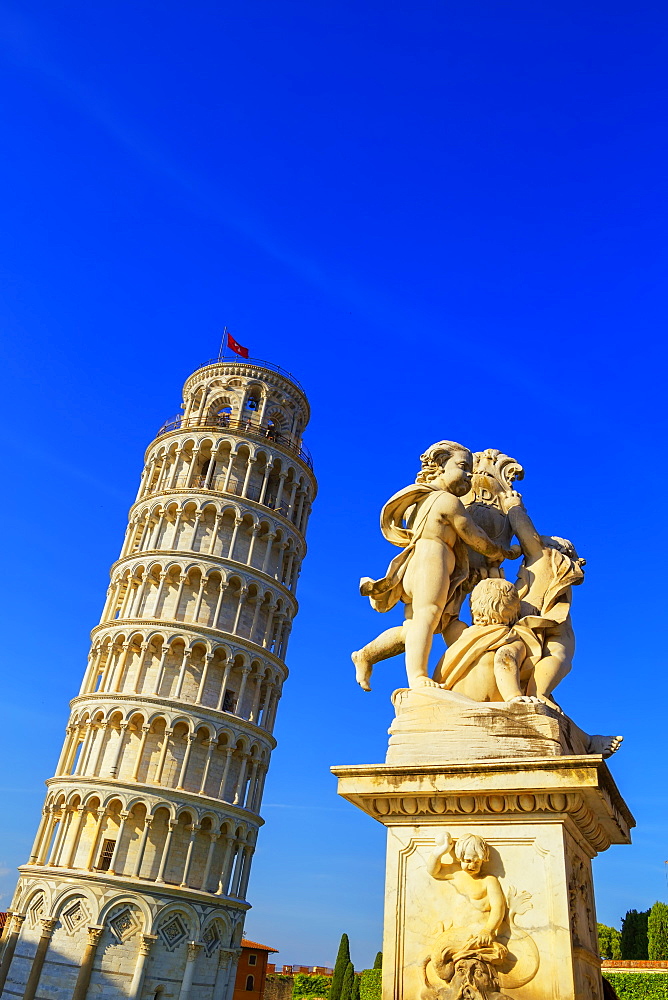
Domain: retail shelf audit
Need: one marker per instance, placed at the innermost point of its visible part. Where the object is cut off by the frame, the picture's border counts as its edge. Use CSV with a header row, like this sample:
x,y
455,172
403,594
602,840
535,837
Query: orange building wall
x,y
258,971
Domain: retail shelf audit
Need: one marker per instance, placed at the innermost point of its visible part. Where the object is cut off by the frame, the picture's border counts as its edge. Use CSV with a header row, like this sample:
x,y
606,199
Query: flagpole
x,y
223,339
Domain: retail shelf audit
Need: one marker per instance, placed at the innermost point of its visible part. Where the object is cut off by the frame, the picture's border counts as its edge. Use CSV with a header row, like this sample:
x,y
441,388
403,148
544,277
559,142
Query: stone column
x,y
32,860
186,867
172,825
223,781
136,872
10,945
102,729
214,533
124,817
242,595
198,602
163,753
219,603
214,837
188,975
48,927
90,864
237,523
246,870
191,737
255,531
81,815
161,668
127,647
270,536
113,770
65,821
146,942
83,979
142,660
207,765
182,673
145,730
223,686
242,688
239,790
158,594
208,657
221,976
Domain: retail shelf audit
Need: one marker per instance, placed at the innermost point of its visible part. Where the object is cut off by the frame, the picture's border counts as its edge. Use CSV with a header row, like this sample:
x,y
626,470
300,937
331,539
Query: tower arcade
x,y
138,875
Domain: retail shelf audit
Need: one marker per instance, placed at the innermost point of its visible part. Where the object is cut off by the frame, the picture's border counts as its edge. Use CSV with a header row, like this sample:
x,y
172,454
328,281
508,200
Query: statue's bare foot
x,y
424,682
524,699
363,669
605,745
544,700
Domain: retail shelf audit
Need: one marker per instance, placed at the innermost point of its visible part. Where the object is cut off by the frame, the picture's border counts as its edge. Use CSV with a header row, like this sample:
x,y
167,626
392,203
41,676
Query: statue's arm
x,y
435,865
523,528
474,536
497,905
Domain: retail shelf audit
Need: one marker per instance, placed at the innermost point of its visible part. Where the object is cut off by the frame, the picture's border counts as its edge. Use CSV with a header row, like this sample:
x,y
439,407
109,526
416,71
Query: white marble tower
x,y
136,885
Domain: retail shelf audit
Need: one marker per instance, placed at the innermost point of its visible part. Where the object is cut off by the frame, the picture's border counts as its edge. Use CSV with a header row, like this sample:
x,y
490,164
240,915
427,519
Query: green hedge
x,y
639,985
370,988
310,986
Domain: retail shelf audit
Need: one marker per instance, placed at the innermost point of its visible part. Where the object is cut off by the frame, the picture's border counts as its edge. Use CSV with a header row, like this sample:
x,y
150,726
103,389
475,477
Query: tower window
x,y
252,959
230,701
250,982
252,403
106,854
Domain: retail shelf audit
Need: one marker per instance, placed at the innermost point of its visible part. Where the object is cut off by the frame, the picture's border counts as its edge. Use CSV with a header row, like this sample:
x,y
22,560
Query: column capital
x,y
146,729
146,942
172,824
48,926
191,737
193,950
94,935
18,920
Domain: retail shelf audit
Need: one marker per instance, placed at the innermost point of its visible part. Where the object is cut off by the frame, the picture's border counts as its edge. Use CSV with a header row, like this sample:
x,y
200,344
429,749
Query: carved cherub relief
x,y
482,950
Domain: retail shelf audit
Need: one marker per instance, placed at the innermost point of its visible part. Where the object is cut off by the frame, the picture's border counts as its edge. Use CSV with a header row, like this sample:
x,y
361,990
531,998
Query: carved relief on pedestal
x,y
478,950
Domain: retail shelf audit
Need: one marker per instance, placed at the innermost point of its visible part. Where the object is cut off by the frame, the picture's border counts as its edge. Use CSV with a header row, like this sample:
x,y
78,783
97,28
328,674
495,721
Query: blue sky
x,y
448,220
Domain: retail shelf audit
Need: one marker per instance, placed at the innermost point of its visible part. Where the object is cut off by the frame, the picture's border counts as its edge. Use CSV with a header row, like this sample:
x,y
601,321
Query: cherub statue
x,y
493,659
499,657
549,569
484,947
429,522
463,866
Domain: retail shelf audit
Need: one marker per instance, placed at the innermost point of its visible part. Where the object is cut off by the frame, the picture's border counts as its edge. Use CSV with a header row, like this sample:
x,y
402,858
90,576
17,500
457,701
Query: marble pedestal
x,y
543,818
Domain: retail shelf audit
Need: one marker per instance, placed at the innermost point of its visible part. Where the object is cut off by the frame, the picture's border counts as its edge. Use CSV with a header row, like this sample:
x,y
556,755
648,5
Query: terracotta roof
x,y
258,947
3,920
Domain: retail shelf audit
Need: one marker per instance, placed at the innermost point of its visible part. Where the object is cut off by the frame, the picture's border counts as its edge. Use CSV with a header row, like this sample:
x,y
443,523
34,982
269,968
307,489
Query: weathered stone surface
x,y
543,820
434,726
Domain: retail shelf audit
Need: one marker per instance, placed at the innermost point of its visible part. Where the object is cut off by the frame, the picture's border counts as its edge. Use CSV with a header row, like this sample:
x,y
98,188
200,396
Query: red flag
x,y
237,348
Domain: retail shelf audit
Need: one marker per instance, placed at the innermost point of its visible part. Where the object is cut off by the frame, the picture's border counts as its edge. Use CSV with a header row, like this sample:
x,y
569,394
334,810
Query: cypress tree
x,y
378,964
340,966
634,935
355,994
657,932
348,979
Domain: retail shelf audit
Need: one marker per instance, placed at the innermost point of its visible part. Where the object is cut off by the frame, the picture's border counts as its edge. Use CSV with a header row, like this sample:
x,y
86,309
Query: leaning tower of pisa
x,y
136,885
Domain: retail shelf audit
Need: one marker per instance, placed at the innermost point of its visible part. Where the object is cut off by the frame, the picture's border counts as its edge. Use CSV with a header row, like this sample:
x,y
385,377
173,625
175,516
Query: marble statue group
x,y
495,802
455,527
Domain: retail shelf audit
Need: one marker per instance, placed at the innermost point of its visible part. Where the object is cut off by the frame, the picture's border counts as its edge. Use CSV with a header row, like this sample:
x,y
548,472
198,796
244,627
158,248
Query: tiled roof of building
x,y
3,920
254,944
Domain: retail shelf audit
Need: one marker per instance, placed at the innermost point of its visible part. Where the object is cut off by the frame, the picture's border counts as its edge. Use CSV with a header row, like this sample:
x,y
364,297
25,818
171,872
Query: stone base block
x,y
433,725
538,822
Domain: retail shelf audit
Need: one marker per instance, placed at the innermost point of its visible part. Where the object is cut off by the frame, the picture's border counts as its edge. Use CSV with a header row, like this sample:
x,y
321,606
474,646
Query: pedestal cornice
x,y
580,788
